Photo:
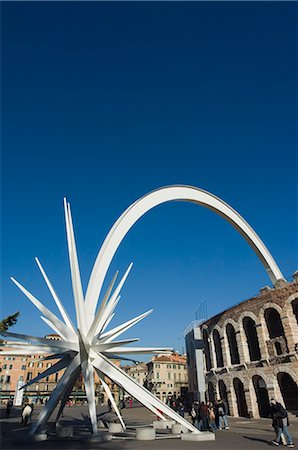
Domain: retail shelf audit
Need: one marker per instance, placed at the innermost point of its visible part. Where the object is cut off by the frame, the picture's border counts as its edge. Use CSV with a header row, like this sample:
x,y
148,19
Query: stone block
x,y
200,436
64,432
115,428
163,424
145,434
39,437
178,428
99,437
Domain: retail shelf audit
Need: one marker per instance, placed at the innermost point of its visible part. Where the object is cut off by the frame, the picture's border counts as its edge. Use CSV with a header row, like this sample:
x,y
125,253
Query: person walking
x,y
9,407
32,408
203,417
109,405
195,414
222,415
26,413
211,417
280,423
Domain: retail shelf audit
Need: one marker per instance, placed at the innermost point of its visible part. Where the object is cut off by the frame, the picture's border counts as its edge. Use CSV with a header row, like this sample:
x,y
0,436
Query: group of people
x,y
209,416
177,404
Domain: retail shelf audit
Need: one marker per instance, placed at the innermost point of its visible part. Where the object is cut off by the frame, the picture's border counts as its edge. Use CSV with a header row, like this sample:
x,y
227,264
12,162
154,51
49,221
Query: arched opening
x,y
249,326
262,396
276,330
273,322
278,348
240,398
224,395
218,349
211,392
289,391
233,347
295,308
207,350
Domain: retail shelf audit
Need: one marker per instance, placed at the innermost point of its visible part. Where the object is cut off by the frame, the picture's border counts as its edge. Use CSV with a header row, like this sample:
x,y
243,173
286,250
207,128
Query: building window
x,y
46,387
4,366
29,376
278,348
8,379
49,365
56,377
232,341
169,375
10,366
274,325
31,364
273,322
39,364
218,349
21,378
23,359
157,375
251,334
23,367
295,308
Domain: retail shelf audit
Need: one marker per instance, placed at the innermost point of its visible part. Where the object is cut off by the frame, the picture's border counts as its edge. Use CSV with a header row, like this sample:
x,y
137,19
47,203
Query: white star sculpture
x,y
87,347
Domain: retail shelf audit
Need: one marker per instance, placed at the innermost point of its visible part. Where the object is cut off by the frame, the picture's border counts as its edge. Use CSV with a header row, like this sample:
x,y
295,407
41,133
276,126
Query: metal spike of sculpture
x,y
88,346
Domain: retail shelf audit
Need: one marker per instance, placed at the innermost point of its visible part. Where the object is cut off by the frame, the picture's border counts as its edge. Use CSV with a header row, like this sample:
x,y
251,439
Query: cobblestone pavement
x,y
244,434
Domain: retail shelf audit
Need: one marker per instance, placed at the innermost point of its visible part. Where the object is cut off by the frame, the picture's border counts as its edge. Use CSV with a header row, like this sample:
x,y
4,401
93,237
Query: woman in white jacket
x,y
26,413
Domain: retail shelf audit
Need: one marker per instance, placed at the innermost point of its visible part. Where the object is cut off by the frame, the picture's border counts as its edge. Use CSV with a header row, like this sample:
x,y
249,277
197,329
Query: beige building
x,y
167,376
12,370
138,372
251,351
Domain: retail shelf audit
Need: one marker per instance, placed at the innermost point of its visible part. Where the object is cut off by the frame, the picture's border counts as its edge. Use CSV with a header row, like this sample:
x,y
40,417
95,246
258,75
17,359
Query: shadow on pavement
x,y
265,441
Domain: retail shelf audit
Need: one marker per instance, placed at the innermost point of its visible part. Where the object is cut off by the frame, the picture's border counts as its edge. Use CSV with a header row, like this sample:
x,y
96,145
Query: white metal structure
x,y
88,346
166,194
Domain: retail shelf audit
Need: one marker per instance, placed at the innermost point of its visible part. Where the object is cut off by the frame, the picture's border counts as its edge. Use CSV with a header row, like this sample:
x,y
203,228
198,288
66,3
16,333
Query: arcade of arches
x,y
251,352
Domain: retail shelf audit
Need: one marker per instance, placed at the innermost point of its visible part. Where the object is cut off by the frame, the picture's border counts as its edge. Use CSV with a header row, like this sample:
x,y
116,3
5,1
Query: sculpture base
x,y
99,437
163,424
202,436
145,434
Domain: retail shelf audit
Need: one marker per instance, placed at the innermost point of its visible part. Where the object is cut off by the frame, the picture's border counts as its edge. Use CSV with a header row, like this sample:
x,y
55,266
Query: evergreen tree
x,y
8,322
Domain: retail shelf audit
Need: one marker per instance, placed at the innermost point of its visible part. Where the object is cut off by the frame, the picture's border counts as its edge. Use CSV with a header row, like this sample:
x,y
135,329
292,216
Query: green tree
x,y
8,322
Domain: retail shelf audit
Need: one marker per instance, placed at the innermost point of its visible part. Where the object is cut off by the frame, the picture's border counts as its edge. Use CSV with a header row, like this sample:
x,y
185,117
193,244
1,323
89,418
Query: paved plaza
x,y
243,434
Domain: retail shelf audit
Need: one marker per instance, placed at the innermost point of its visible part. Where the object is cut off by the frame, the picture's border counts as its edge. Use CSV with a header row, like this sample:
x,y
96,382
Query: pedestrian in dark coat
x,y
280,423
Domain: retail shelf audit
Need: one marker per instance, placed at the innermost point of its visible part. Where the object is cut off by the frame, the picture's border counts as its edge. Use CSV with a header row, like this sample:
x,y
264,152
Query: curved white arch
x,y
166,194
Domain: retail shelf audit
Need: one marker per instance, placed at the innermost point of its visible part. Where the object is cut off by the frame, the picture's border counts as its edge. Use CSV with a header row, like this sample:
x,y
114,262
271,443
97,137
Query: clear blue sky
x,y
104,102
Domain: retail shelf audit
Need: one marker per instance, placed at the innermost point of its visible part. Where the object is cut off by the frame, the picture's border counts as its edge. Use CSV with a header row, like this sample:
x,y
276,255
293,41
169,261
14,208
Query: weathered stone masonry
x,y
251,351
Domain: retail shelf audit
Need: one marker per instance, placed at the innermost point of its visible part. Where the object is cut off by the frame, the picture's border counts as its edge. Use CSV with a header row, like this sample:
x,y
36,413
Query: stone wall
x,y
265,325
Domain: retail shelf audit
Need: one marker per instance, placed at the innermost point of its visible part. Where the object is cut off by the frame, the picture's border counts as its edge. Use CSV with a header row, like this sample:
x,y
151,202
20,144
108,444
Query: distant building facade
x,y
167,376
251,352
16,368
139,372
